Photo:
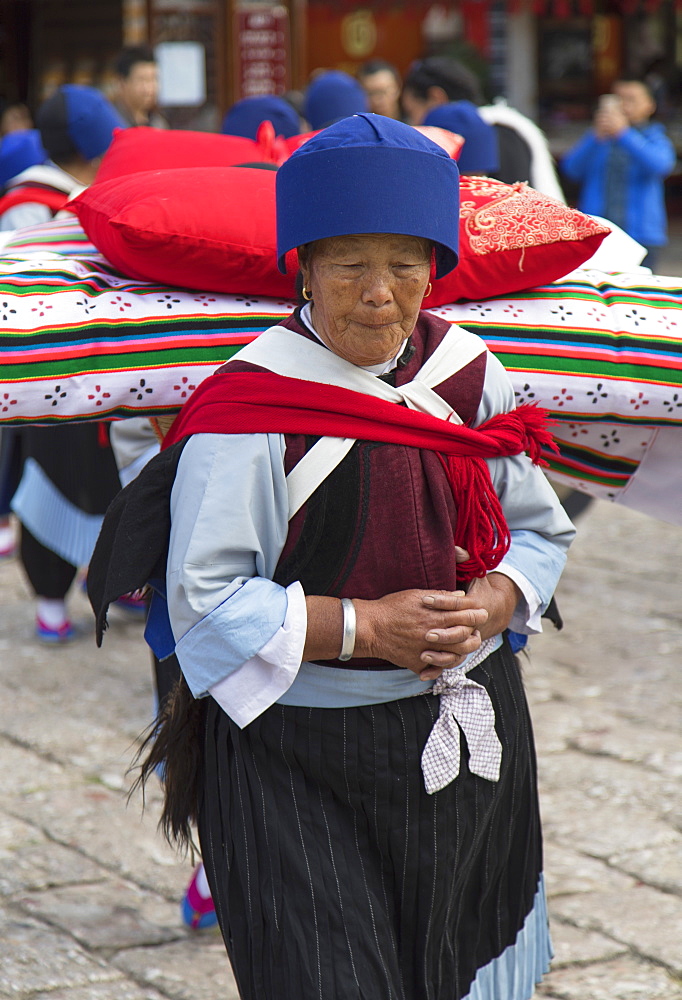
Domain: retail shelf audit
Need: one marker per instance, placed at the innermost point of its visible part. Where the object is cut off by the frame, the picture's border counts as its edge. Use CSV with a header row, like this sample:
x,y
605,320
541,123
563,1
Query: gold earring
x,y
428,291
306,294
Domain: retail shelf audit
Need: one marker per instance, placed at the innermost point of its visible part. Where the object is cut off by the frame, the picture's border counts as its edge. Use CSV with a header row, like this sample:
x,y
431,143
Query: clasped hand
x,y
429,631
426,631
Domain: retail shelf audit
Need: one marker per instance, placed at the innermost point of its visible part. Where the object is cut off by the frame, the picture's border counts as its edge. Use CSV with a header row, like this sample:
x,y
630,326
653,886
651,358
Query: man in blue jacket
x,y
621,164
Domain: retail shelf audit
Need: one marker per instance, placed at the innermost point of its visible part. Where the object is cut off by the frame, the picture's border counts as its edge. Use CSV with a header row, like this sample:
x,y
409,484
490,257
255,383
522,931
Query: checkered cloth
x,y
465,704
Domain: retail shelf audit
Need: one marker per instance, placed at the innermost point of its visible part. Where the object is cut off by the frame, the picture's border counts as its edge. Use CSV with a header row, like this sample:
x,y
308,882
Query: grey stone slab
x,y
660,867
119,989
559,723
34,957
557,673
605,807
573,945
655,749
647,921
24,772
629,548
598,669
30,861
42,721
623,632
110,915
621,979
598,827
111,686
568,872
196,968
623,783
100,824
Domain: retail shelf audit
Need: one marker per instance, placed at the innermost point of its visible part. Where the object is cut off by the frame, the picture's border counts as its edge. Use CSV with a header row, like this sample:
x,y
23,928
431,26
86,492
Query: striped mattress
x,y
80,341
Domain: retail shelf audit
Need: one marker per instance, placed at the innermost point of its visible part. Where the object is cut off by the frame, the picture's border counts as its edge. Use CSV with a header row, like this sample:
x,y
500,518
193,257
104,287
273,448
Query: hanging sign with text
x,y
262,46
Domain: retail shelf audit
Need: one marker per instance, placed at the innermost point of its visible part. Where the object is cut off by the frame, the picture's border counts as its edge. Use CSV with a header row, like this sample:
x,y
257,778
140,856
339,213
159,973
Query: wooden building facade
x,y
549,58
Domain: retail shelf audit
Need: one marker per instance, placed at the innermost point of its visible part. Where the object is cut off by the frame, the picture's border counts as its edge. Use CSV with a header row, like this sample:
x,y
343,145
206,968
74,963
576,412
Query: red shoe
x,y
8,544
54,636
134,604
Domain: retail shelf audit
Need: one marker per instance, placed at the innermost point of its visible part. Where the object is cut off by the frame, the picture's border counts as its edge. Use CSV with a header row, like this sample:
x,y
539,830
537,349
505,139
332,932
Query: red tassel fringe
x,y
481,525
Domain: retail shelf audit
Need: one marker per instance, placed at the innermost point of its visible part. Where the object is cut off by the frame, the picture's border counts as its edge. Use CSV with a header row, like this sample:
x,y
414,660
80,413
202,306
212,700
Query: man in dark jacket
x,y
137,87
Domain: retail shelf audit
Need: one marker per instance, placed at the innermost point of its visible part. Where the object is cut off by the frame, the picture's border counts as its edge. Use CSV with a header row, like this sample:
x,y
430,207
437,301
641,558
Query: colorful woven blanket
x,y
79,341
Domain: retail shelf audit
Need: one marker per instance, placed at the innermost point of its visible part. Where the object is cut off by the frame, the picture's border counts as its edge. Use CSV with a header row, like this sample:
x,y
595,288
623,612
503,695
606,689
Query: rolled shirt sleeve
x,y
262,679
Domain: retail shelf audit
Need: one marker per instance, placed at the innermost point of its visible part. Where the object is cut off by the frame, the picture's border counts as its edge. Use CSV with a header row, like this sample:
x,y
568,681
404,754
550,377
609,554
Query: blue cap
x,y
91,120
19,151
81,114
245,117
332,96
480,152
369,174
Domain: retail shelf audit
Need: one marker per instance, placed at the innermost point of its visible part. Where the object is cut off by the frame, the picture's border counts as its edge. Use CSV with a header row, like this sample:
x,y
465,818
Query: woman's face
x,y
367,291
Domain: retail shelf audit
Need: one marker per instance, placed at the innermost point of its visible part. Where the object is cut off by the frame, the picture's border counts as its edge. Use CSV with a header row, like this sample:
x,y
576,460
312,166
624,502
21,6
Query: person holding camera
x,y
621,165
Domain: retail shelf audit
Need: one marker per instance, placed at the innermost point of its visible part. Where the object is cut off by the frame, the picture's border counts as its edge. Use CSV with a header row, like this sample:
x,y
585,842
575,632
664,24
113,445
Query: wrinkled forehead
x,y
387,244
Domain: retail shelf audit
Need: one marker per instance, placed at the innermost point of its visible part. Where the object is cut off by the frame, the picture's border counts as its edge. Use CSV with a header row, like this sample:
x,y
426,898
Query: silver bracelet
x,y
349,627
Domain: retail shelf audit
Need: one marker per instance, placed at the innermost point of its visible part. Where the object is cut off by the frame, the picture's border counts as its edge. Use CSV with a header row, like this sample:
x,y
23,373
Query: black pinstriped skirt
x,y
336,877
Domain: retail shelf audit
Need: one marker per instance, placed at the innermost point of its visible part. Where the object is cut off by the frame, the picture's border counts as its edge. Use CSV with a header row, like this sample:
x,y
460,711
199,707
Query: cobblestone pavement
x,y
89,891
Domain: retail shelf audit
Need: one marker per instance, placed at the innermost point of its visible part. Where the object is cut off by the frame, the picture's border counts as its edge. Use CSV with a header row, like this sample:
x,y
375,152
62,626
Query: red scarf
x,y
264,403
30,193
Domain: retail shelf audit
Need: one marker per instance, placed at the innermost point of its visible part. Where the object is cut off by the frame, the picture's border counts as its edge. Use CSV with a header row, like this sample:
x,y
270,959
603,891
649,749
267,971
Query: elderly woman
x,y
353,526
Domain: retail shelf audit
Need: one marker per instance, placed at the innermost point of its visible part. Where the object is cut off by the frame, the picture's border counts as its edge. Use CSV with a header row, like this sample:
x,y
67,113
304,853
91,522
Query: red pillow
x,y
451,142
513,237
211,228
136,149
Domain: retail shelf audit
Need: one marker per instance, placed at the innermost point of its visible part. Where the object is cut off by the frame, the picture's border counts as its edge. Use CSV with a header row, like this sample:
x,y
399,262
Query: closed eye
x,y
350,268
408,269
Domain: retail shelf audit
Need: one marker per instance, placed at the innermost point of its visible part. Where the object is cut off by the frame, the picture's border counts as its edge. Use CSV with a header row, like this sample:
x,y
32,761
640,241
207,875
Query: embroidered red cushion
x,y
211,228
136,149
513,237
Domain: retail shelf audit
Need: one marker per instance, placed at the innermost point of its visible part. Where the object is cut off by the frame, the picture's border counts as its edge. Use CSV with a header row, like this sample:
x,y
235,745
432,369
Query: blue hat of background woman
x,y
19,151
245,117
80,118
369,174
332,96
480,153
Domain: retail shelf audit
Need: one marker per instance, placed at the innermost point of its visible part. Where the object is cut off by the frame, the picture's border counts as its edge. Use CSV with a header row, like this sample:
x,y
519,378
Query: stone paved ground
x,y
89,892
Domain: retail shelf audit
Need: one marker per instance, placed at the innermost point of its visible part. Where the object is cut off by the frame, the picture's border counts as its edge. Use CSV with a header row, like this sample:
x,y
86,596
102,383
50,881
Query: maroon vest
x,y
384,520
